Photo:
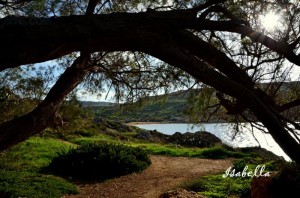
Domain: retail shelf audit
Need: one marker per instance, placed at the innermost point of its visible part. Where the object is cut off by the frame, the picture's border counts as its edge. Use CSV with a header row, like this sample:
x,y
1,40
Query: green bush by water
x,y
99,161
218,153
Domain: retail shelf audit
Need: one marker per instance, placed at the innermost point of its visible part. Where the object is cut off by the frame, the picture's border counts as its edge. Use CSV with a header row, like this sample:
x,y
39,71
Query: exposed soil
x,y
165,173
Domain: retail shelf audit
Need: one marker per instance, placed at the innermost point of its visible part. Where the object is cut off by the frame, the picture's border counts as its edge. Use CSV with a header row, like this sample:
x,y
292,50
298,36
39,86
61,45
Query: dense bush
x,y
239,165
200,139
219,153
99,161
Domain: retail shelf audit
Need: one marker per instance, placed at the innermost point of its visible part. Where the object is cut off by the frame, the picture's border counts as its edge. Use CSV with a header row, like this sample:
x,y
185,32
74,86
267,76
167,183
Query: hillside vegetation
x,y
164,108
27,169
195,105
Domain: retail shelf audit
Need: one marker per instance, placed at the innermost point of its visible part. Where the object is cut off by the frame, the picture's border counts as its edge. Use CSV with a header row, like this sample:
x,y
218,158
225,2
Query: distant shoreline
x,y
166,122
141,123
145,123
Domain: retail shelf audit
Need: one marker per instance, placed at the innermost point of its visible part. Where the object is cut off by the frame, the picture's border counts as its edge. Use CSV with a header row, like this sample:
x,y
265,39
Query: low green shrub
x,y
239,165
215,153
218,153
28,184
99,161
276,165
84,133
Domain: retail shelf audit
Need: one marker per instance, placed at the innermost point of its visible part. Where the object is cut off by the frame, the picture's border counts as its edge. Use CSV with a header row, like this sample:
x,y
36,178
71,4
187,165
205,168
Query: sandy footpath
x,y
165,173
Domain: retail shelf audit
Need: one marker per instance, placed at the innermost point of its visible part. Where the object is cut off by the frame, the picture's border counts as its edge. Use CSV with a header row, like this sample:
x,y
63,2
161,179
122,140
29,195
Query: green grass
x,y
220,152
216,186
152,148
178,151
20,166
165,149
110,136
92,140
32,154
28,184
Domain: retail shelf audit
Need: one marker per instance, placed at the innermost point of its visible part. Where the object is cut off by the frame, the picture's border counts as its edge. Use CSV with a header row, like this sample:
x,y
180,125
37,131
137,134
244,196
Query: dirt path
x,y
165,173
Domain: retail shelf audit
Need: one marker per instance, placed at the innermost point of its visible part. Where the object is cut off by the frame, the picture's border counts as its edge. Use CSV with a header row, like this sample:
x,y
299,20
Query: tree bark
x,y
21,128
173,54
46,113
43,39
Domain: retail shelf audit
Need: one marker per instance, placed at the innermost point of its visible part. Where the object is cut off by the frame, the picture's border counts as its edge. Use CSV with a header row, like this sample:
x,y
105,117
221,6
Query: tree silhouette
x,y
216,42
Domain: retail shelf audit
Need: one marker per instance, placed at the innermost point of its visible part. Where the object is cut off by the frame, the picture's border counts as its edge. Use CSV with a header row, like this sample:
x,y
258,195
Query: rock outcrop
x,y
199,139
152,136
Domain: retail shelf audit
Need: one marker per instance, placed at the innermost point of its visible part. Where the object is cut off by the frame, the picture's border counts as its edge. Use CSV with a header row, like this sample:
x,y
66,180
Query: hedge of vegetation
x,y
99,161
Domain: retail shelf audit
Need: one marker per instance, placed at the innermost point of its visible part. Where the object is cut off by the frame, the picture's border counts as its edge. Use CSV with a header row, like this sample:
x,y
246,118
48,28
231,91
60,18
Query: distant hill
x,y
96,104
171,107
163,108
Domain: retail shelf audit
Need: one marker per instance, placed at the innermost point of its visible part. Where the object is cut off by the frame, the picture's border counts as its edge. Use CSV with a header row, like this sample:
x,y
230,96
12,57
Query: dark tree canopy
x,y
142,47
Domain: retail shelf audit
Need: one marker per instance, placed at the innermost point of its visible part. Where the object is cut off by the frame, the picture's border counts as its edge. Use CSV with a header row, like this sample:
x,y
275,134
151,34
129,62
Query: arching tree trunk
x,y
21,128
161,34
174,55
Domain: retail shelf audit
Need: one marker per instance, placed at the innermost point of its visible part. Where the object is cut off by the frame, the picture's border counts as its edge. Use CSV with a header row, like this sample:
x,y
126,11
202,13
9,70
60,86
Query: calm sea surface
x,y
225,131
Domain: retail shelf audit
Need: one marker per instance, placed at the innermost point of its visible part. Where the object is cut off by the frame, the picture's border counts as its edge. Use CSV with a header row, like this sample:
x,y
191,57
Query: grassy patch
x,y
92,140
28,184
216,186
110,136
218,153
32,154
166,149
179,151
20,166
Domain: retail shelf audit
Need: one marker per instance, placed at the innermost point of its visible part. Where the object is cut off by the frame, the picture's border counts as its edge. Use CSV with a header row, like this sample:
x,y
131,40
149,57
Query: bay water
x,y
246,137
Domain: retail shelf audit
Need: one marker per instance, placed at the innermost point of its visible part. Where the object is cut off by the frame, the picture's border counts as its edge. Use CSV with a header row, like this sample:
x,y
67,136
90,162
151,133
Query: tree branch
x,y
178,57
289,105
91,7
110,32
213,56
281,47
208,4
46,113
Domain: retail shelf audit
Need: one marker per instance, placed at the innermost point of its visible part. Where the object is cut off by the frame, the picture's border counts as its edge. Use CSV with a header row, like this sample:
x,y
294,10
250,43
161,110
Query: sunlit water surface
x,y
245,138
